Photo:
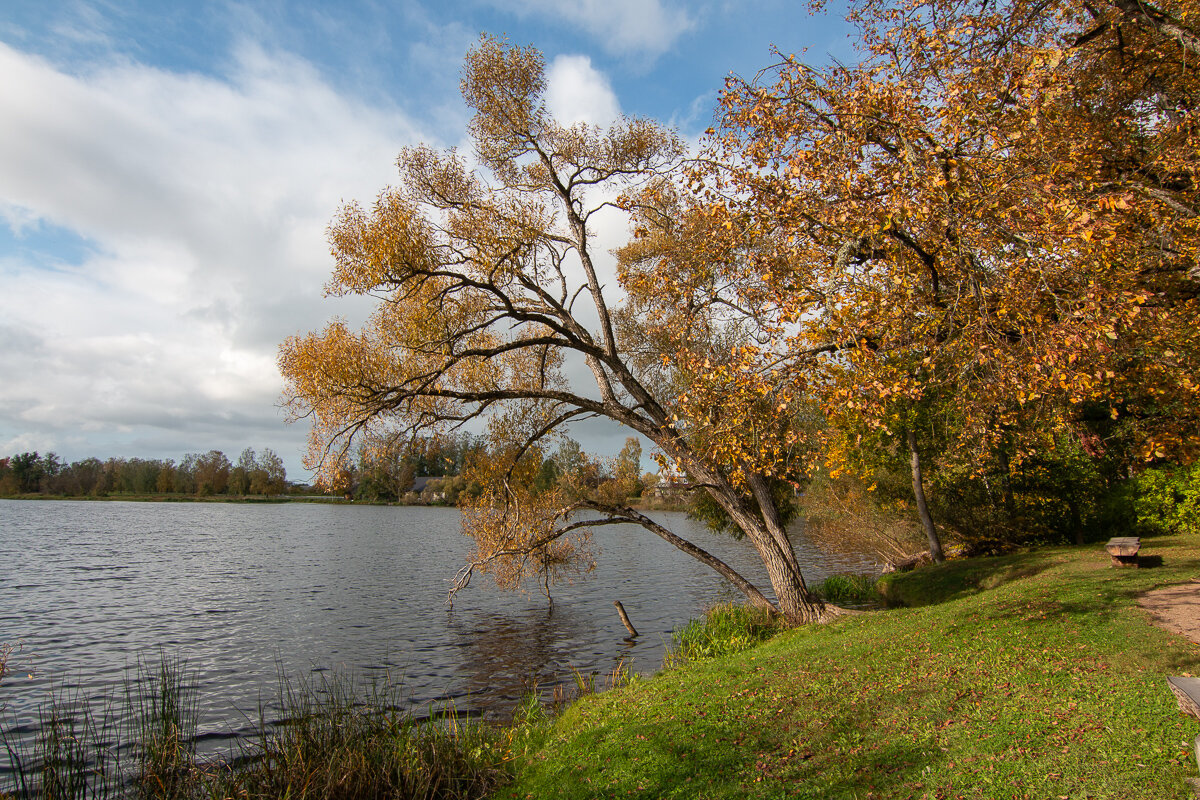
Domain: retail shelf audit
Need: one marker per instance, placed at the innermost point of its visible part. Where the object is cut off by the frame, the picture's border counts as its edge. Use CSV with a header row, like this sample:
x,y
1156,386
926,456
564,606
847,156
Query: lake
x,y
244,592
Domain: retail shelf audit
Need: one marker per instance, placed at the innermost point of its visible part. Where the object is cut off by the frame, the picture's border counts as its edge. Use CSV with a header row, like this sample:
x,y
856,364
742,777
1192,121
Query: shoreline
x,y
639,504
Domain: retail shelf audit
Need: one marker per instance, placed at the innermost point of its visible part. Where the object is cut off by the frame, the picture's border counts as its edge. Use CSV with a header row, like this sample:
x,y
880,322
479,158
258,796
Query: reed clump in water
x,y
724,629
851,588
334,741
86,749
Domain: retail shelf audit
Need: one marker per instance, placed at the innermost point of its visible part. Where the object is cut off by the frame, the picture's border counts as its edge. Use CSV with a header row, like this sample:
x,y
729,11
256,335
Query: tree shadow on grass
x,y
941,583
707,762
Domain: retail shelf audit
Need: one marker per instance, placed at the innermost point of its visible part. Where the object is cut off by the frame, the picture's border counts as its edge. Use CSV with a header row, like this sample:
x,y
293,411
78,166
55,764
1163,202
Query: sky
x,y
168,170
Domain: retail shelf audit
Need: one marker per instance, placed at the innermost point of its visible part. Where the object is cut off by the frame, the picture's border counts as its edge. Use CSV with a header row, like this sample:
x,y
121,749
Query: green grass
x,y
1032,675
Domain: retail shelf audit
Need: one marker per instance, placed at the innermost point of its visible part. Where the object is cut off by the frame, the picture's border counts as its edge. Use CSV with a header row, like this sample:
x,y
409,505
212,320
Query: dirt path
x,y
1176,608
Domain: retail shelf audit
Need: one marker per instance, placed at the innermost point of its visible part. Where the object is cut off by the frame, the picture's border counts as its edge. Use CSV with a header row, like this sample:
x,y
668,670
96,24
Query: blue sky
x,y
167,170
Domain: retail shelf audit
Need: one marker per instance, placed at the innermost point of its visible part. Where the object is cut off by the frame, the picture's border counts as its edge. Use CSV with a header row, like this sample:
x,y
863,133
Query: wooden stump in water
x,y
625,618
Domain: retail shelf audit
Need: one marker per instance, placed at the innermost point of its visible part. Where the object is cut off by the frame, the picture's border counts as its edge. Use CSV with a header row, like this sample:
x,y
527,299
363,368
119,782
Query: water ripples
x,y
245,593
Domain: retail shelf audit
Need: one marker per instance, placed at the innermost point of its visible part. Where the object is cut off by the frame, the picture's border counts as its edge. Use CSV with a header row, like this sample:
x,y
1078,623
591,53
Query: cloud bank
x,y
195,208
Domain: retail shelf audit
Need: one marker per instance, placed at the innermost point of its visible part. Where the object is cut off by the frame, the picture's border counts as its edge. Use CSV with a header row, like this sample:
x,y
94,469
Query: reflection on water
x,y
244,592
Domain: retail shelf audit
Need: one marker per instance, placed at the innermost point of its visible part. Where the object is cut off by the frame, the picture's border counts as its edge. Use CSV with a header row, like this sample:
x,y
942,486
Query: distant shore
x,y
640,503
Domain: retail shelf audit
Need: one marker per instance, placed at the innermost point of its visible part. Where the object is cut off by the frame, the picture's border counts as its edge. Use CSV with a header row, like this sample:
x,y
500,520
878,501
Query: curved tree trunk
x,y
756,597
935,542
797,604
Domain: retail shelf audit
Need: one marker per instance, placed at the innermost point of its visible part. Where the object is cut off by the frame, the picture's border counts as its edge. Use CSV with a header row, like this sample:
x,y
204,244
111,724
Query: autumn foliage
x,y
989,222
973,252
974,247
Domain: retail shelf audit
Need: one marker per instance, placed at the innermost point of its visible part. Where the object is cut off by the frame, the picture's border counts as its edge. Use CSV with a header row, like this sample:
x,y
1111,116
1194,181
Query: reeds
x,y
337,742
587,683
163,729
725,628
334,741
849,588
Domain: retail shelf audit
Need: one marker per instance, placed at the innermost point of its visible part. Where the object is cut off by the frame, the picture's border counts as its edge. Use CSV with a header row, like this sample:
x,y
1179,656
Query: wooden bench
x,y
1187,695
1124,550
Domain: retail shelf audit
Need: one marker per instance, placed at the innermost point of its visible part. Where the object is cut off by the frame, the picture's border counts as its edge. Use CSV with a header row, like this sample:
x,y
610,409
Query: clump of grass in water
x,y
335,742
587,684
165,723
81,748
725,628
847,589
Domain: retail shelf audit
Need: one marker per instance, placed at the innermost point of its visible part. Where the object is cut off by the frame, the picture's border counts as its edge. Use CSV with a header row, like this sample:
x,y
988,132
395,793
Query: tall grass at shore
x,y
137,743
853,589
725,628
335,740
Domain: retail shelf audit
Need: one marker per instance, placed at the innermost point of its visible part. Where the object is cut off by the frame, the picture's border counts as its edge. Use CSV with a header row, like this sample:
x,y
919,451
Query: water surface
x,y
243,592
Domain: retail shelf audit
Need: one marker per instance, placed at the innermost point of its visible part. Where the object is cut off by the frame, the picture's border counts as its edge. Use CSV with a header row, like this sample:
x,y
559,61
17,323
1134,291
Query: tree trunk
x,y
751,592
935,543
796,603
800,606
1076,520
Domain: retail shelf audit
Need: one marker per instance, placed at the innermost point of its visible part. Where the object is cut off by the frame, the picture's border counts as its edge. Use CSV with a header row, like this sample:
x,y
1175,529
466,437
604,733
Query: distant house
x,y
670,483
421,487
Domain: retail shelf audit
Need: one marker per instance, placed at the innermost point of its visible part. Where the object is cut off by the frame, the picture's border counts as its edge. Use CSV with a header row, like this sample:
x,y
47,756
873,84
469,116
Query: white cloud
x,y
625,27
204,203
577,92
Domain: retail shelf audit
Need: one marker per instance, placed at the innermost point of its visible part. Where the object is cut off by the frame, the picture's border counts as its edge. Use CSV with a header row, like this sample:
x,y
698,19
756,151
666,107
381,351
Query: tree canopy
x,y
992,218
978,242
489,290
973,247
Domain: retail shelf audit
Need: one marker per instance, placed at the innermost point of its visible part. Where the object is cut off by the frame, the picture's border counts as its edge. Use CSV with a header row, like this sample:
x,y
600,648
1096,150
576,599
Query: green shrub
x,y
1167,499
726,628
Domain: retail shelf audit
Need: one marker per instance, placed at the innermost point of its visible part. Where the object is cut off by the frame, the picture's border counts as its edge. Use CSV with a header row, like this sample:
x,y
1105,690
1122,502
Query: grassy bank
x,y
1031,675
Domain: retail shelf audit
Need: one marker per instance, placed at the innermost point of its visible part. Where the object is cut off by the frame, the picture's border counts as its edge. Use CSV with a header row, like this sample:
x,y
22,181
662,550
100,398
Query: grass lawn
x,y
1030,675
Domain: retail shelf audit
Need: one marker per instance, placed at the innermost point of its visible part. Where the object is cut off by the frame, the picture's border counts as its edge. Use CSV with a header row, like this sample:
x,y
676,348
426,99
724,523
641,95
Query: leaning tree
x,y
490,294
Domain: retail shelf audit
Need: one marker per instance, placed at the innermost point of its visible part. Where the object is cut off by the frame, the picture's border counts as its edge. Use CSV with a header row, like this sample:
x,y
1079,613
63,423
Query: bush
x,y
843,514
1166,499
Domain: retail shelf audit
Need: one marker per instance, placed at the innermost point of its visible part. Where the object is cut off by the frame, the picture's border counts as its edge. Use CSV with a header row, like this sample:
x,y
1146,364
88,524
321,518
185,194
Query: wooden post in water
x,y
625,618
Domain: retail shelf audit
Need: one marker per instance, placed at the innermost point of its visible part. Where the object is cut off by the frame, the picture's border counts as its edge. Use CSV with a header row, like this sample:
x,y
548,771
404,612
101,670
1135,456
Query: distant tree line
x,y
201,474
437,469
